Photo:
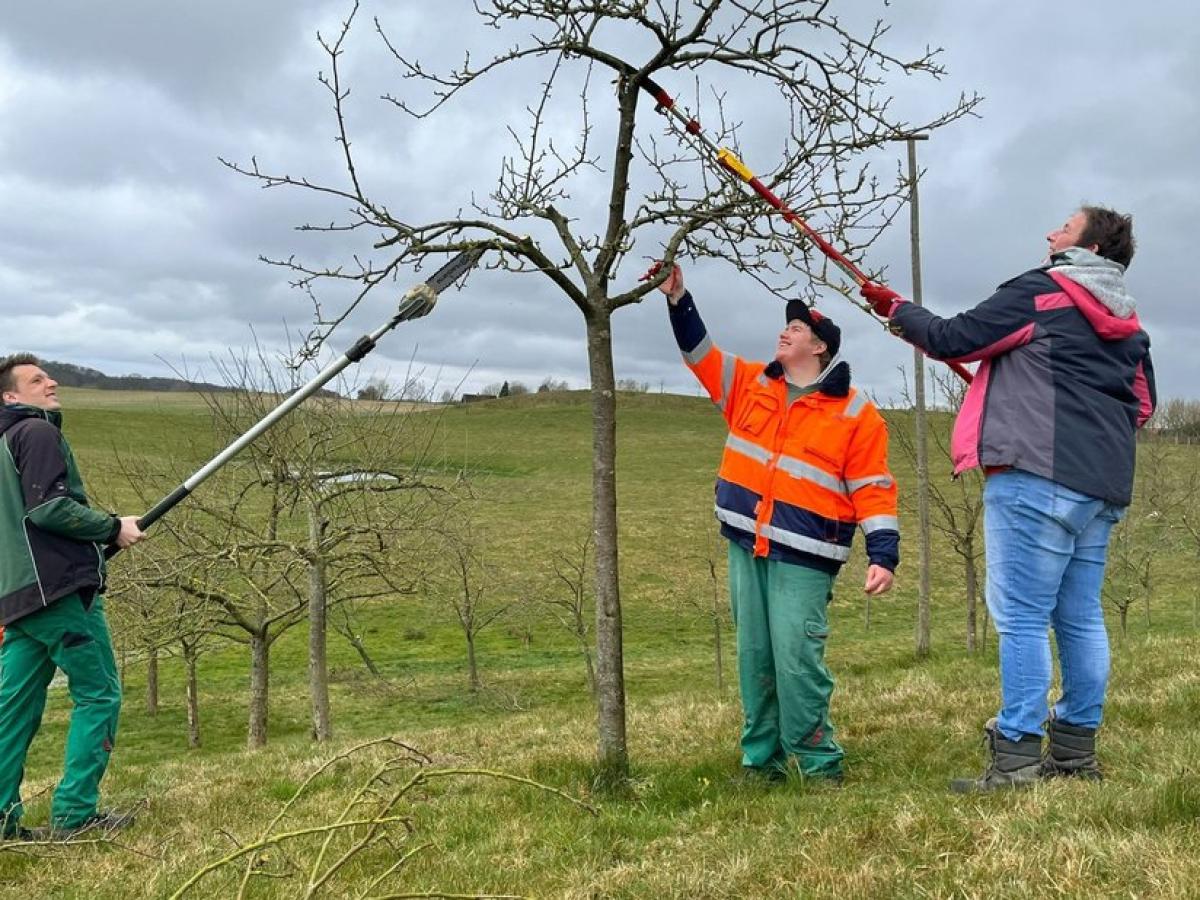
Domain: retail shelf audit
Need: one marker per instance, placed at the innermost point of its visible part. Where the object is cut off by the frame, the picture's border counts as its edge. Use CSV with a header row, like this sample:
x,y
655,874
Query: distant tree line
x,y
70,375
1177,420
549,385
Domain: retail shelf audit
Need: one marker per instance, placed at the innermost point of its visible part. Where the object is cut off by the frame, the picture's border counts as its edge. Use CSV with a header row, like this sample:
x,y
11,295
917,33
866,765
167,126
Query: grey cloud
x,y
132,243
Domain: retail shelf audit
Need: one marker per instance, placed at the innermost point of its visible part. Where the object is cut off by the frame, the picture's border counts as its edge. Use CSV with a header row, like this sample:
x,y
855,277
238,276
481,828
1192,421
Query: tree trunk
x,y
972,577
260,650
1124,623
718,652
610,667
589,670
585,650
472,666
318,665
152,682
193,695
360,648
922,638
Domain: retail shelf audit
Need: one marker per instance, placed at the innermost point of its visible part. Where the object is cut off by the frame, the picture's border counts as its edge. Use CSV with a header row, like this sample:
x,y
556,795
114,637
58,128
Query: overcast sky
x,y
126,246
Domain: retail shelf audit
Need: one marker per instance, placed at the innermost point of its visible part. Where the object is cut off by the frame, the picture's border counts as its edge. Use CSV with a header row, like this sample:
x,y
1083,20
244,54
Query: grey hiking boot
x,y
99,824
1010,763
17,833
1071,752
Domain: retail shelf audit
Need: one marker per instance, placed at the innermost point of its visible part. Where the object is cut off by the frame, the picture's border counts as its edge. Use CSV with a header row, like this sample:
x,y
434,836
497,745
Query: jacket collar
x,y
12,413
834,381
1103,278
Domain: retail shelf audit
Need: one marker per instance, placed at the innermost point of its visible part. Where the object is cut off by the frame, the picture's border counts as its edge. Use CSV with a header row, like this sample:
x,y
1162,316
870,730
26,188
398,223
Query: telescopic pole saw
x,y
729,162
417,302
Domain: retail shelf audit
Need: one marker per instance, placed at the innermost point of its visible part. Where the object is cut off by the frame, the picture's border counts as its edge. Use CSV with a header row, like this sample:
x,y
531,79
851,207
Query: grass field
x,y
686,826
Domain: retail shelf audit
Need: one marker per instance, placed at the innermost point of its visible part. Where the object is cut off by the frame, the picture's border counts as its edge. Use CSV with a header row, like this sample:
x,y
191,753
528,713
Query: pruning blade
x,y
454,268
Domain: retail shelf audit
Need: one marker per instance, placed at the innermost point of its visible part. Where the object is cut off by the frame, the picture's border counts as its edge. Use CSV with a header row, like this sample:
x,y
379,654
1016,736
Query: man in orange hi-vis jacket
x,y
805,464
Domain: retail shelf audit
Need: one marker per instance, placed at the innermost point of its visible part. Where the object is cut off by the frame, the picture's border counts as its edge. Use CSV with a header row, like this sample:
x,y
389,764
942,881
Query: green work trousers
x,y
71,636
779,613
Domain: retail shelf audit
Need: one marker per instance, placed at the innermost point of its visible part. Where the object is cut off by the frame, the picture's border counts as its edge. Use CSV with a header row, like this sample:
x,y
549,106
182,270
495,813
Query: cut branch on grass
x,y
381,812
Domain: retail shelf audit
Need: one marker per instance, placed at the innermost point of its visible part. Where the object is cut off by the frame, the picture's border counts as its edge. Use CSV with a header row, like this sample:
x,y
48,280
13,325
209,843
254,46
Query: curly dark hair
x,y
1110,231
8,381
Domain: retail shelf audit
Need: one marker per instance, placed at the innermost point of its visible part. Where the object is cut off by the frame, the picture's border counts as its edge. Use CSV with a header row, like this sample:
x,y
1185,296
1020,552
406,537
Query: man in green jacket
x,y
51,605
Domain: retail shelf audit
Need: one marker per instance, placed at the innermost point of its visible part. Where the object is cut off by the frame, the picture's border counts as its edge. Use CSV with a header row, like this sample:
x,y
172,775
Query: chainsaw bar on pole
x,y
413,305
729,162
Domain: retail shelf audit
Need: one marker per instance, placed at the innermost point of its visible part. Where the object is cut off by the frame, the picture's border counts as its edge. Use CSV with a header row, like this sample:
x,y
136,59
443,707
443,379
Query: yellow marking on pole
x,y
730,161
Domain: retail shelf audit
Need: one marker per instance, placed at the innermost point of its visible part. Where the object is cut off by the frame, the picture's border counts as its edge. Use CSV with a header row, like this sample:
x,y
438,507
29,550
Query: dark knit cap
x,y
822,326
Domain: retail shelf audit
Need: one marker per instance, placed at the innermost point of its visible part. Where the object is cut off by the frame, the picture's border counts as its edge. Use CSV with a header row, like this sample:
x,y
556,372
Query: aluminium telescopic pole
x,y
415,303
729,162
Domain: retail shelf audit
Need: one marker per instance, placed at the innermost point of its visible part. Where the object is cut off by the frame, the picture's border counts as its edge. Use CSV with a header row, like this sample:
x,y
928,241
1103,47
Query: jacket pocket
x,y
825,455
756,414
816,630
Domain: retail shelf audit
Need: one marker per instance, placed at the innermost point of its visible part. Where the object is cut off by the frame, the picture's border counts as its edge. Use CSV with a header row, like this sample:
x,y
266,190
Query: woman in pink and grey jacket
x,y
1064,382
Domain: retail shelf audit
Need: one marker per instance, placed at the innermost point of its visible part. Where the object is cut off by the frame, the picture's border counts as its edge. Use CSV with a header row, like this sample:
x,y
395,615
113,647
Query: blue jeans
x,y
1046,549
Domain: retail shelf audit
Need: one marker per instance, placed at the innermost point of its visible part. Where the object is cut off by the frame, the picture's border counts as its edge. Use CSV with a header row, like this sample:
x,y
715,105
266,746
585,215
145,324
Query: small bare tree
x,y
151,614
326,508
956,503
822,84
1141,539
709,598
571,603
461,577
1190,517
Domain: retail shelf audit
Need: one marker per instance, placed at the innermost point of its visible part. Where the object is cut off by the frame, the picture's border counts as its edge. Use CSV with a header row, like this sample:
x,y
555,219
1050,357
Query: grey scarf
x,y
1103,278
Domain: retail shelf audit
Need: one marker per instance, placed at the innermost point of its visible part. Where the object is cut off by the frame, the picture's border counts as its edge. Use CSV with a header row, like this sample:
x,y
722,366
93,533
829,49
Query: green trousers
x,y
73,637
779,613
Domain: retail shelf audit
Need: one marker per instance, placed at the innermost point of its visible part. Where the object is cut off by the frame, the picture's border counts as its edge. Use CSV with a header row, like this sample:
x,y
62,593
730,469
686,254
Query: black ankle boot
x,y
1071,751
1010,763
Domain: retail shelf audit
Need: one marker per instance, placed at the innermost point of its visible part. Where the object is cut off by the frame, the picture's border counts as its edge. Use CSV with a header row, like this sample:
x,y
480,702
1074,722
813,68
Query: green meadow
x,y
686,825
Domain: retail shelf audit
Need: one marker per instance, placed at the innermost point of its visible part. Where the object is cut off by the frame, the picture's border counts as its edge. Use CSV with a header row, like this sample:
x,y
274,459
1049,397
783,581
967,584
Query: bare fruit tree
x,y
956,502
707,595
158,619
460,576
1147,536
329,508
570,601
592,189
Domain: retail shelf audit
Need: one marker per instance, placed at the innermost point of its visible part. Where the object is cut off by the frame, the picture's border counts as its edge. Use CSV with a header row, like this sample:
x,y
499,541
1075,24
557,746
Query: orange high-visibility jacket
x,y
795,479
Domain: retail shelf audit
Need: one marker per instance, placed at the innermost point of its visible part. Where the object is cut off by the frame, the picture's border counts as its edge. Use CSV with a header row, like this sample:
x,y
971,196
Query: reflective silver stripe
x,y
737,520
763,380
787,538
728,365
809,472
698,352
744,447
856,405
807,544
883,481
794,467
879,523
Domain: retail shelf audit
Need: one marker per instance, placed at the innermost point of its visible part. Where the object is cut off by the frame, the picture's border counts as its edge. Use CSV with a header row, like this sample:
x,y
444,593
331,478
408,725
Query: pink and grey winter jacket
x,y
1064,380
